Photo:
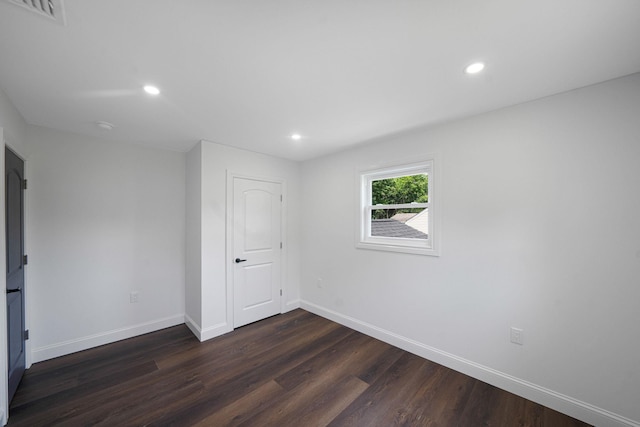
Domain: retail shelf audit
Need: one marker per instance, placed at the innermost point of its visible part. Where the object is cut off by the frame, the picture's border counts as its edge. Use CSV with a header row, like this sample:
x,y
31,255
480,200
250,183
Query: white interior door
x,y
257,207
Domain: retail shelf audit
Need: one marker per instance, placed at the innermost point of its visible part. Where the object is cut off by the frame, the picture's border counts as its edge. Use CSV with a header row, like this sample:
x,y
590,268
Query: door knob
x,y
238,260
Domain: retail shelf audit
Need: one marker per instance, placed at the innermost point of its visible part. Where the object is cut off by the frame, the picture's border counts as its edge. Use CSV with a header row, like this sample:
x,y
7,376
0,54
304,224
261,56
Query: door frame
x,y
4,379
231,176
23,251
4,374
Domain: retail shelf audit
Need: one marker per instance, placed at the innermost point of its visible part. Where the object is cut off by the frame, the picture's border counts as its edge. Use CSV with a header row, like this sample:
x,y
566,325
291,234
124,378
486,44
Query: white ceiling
x,y
339,72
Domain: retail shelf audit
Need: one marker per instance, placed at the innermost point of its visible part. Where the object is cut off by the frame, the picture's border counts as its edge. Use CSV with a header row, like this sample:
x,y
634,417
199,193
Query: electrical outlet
x,y
319,283
517,336
133,297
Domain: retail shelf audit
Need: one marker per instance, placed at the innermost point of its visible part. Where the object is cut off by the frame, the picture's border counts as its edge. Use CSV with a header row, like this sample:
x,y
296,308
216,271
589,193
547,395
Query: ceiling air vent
x,y
50,9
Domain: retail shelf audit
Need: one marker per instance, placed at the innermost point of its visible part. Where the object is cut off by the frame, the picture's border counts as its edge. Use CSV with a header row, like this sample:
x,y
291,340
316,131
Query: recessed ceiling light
x,y
151,90
474,68
296,137
105,125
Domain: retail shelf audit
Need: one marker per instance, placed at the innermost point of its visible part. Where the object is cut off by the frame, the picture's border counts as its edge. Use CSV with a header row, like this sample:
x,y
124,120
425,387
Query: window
x,y
397,211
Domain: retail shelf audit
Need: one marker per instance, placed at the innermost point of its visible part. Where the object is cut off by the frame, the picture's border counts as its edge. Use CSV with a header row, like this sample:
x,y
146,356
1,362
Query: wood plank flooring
x,y
295,369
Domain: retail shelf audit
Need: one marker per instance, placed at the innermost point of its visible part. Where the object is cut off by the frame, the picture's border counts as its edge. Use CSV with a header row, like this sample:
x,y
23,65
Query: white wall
x,y
216,160
540,230
104,219
13,124
193,289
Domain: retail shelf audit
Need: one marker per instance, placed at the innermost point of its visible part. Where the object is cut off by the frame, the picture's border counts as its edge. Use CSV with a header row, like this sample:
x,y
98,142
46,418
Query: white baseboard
x,y
207,333
291,305
223,328
557,401
84,343
193,327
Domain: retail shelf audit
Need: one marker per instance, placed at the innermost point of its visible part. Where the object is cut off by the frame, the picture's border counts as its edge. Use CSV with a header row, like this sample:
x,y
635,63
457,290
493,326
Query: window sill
x,y
398,248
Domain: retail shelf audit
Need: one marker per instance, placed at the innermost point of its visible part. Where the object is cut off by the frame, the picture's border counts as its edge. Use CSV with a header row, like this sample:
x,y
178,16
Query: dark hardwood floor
x,y
295,369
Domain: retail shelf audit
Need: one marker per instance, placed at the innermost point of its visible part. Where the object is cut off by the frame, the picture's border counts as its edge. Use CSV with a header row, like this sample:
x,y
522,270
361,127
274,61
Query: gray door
x,y
14,197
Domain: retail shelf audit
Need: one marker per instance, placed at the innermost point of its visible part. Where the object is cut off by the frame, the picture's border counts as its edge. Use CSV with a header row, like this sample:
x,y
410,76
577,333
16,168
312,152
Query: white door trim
x,y
4,390
229,240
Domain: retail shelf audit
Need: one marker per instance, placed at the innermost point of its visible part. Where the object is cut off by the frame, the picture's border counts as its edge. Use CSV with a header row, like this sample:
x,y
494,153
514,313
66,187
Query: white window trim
x,y
364,240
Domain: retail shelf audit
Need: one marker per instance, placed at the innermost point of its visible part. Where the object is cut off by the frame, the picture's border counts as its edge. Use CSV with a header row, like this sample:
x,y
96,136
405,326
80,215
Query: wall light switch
x,y
133,297
516,336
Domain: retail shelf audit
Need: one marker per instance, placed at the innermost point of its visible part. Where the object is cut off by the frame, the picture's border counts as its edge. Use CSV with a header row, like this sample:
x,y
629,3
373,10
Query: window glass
x,y
407,222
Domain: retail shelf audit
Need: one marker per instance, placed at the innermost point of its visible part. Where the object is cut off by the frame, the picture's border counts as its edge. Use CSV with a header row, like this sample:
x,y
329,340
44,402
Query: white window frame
x,y
364,239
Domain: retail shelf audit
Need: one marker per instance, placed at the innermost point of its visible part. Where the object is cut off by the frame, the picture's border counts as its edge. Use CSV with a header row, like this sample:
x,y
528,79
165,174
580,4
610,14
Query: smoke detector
x,y
50,9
